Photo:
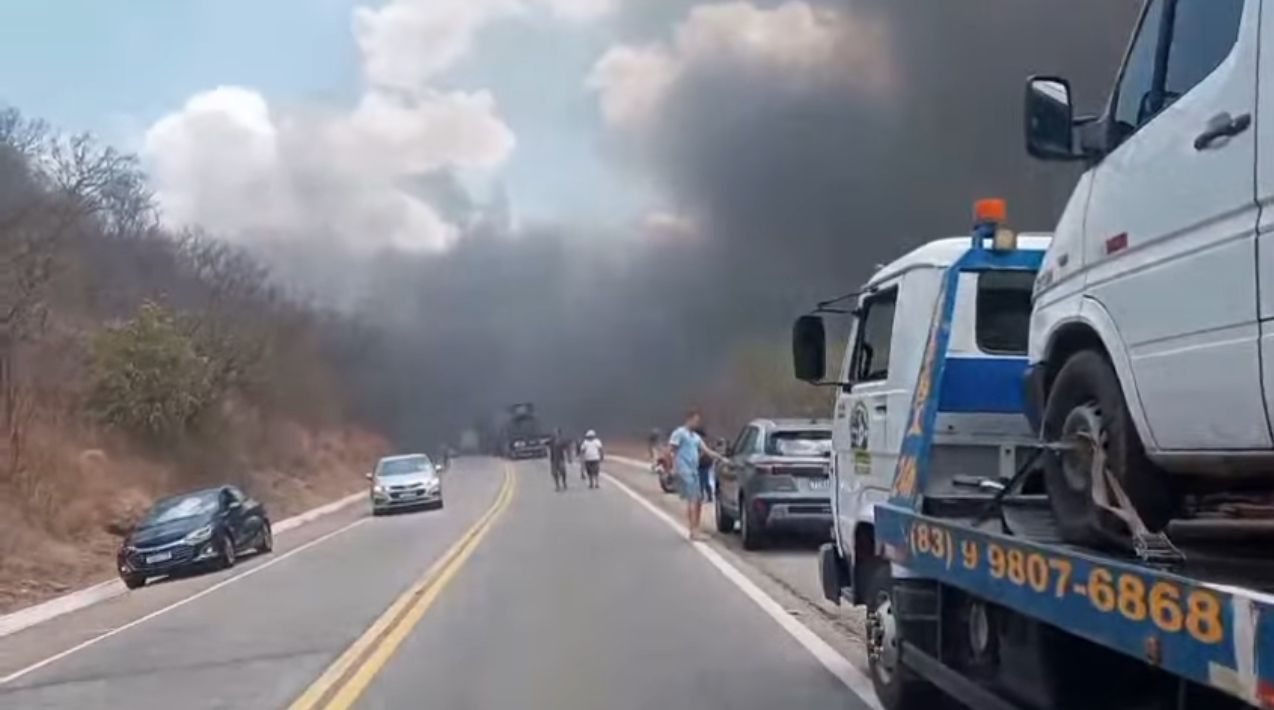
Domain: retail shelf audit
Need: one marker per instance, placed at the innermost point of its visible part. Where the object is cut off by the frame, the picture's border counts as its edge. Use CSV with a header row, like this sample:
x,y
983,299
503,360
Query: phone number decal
x,y
1167,605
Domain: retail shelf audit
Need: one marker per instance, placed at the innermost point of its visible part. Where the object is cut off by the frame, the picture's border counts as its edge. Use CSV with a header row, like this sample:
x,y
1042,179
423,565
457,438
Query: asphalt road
x,y
513,596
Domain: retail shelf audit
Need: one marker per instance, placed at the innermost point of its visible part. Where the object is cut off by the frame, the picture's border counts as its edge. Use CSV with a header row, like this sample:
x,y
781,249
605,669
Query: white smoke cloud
x,y
805,41
230,161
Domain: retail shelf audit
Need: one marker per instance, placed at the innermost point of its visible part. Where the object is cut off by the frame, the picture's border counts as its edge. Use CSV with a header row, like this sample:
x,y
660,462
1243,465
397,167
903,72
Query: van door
x,y
863,410
1170,230
1265,198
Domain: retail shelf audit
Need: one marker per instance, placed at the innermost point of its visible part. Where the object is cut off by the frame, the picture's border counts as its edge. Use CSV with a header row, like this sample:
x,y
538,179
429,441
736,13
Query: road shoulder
x,y
791,581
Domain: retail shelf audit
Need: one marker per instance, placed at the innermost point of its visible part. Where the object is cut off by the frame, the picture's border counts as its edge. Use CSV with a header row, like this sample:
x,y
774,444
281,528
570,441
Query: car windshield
x,y
815,442
176,508
403,466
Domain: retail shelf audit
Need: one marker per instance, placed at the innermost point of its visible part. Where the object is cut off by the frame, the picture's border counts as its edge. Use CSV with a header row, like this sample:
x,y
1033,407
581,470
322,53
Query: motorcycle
x,y
667,478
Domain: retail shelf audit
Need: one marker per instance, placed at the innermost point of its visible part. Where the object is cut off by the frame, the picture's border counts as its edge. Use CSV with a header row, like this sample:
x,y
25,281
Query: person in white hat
x,y
592,454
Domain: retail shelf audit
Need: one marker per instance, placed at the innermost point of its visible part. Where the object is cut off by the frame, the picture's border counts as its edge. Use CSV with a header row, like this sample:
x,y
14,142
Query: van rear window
x,y
1004,311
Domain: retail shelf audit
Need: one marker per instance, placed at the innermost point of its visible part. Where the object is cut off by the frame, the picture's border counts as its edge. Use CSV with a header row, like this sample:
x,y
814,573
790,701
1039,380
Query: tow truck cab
x,y
981,423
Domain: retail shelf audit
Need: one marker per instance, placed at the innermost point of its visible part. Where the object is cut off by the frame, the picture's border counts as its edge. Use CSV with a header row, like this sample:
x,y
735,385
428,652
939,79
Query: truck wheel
x,y
1086,407
752,530
725,523
897,686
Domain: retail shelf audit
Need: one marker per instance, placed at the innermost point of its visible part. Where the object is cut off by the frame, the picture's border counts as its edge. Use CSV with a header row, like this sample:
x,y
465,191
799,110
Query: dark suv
x,y
777,478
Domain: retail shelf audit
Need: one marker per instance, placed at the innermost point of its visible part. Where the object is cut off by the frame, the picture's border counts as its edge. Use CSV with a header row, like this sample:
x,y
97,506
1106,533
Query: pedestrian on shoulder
x,y
706,465
593,454
558,451
652,443
685,447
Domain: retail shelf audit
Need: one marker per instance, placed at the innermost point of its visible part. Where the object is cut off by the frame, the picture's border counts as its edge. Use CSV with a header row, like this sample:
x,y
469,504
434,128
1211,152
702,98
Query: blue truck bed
x,y
1215,634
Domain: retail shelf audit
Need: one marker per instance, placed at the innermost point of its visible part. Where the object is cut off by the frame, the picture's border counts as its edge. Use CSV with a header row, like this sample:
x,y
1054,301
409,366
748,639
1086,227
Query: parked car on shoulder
x,y
205,528
777,478
406,481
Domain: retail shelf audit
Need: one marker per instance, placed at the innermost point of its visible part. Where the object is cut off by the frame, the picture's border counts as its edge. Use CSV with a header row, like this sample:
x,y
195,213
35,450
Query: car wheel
x,y
133,581
897,686
267,538
753,530
725,523
229,556
1086,408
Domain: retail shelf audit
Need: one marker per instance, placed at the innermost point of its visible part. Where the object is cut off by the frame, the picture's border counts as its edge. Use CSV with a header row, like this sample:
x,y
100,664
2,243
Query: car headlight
x,y
431,484
203,534
378,489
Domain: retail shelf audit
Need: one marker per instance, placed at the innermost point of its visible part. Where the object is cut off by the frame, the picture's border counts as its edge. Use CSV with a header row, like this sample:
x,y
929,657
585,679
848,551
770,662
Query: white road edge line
x,y
27,617
177,604
839,666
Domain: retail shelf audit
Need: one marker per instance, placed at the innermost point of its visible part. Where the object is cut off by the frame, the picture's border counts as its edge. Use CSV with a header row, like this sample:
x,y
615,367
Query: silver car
x,y
777,478
407,481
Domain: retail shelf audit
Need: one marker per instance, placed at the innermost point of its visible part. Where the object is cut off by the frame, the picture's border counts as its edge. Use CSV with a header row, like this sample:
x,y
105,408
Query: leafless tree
x,y
54,189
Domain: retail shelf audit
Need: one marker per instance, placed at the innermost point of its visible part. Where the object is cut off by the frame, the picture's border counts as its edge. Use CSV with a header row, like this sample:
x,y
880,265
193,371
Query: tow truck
x,y
985,606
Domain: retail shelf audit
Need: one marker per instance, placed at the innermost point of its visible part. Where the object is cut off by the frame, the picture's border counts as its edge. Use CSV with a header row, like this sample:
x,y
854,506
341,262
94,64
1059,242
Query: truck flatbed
x,y
1214,634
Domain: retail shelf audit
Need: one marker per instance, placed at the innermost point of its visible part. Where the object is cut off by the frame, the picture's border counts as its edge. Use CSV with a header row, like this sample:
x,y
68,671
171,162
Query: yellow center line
x,y
378,644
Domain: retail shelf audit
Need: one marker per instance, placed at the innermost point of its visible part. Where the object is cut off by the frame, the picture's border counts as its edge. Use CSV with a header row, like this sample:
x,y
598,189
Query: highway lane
x,y
583,600
259,641
573,600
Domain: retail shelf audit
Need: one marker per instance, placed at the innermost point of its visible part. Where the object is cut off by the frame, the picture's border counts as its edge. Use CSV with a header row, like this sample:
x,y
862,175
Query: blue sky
x,y
115,68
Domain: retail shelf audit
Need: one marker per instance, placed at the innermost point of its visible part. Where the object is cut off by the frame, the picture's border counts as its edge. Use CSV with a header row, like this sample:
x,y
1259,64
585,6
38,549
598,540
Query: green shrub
x,y
147,377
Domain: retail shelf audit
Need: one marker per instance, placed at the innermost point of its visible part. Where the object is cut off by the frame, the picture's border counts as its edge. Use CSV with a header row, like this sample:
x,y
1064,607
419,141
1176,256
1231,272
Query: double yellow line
x,y
346,679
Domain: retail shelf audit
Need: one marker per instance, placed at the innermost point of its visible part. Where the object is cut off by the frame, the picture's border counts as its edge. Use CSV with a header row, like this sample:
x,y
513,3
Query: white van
x,y
1153,325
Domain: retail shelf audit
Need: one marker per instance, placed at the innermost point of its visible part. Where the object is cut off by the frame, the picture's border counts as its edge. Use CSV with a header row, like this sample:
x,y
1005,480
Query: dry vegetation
x,y
757,381
136,362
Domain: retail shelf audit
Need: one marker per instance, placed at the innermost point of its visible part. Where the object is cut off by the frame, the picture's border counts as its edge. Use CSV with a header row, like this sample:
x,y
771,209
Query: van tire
x,y
1087,385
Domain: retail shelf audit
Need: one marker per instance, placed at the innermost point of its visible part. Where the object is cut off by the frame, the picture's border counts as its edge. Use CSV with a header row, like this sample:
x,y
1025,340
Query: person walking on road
x,y
685,447
592,453
559,450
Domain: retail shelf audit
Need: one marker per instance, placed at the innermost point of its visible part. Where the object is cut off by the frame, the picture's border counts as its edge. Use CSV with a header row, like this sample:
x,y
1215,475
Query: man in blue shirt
x,y
686,446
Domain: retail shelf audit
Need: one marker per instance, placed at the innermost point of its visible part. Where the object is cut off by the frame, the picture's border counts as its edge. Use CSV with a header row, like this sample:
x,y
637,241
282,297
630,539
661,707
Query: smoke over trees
x,y
795,146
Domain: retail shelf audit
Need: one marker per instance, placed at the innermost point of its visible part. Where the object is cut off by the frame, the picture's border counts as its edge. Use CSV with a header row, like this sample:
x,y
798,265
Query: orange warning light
x,y
992,209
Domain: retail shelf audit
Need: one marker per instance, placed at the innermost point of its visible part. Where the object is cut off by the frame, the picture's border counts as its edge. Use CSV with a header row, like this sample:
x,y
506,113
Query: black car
x,y
202,528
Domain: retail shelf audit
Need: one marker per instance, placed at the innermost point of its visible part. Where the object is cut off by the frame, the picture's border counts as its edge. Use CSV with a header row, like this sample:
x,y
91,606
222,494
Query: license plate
x,y
819,484
158,557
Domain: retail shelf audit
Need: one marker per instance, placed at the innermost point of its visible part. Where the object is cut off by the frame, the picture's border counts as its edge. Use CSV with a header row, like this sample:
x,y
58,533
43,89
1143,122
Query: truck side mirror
x,y
1049,119
809,349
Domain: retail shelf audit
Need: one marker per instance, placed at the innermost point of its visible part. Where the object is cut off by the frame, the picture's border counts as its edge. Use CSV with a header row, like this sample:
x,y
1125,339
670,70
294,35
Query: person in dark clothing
x,y
559,450
706,463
